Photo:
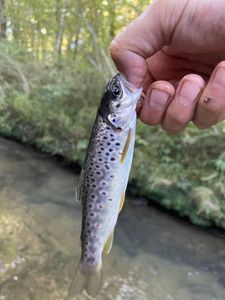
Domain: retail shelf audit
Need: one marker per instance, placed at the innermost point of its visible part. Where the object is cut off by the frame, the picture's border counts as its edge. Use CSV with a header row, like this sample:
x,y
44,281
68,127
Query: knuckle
x,y
171,131
213,107
114,48
148,120
153,122
221,64
177,121
200,125
174,124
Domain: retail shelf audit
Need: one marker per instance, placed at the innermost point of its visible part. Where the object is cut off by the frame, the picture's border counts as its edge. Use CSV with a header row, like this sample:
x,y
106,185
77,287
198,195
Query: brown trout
x,y
103,179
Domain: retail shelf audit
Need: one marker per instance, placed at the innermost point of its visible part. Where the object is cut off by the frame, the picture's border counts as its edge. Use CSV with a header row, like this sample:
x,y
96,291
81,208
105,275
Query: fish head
x,y
119,101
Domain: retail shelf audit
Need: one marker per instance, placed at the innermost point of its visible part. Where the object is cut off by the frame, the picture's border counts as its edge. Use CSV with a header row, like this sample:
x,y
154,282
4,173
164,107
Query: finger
x,y
182,107
156,101
211,106
144,37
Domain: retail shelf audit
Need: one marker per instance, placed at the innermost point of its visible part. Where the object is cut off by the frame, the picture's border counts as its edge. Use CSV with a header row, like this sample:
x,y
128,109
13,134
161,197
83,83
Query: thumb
x,y
152,30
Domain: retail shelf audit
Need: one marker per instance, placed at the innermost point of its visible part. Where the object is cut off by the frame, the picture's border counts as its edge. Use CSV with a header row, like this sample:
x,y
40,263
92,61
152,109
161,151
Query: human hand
x,y
176,50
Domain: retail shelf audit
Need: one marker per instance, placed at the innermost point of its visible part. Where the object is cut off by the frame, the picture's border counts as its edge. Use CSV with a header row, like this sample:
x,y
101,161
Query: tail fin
x,y
85,281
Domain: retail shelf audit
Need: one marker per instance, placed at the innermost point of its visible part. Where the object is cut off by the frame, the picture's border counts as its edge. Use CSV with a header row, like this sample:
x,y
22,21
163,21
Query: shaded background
x,y
54,64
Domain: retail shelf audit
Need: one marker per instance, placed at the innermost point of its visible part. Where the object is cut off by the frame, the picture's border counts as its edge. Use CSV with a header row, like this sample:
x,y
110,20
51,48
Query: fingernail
x,y
158,99
188,93
219,77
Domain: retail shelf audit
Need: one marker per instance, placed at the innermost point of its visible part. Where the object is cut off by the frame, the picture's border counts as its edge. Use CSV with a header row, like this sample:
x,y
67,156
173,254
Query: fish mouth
x,y
127,84
119,78
129,88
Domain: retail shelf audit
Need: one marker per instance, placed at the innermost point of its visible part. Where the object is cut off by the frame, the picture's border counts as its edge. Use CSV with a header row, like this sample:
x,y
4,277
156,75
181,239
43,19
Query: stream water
x,y
155,255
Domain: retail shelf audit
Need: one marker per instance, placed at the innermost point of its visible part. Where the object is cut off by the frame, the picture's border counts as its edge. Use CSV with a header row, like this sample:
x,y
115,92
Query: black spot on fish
x,y
98,173
108,143
112,158
105,138
91,260
113,120
107,153
117,144
110,199
110,150
118,105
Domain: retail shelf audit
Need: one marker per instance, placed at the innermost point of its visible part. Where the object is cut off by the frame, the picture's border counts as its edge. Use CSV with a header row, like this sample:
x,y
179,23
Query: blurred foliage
x,y
52,75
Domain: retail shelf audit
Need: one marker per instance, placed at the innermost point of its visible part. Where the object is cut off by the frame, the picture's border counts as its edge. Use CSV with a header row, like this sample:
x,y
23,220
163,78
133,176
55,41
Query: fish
x,y
103,179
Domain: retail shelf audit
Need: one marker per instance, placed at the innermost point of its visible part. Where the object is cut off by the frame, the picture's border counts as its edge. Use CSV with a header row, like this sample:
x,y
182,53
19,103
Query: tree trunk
x,y
2,19
61,23
112,16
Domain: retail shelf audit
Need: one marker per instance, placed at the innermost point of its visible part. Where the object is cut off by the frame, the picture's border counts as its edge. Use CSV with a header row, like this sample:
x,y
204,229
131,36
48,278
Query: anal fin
x,y
122,201
109,242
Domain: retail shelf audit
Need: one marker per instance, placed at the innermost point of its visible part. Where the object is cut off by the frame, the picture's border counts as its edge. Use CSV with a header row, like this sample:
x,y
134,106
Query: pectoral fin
x,y
108,244
122,201
126,147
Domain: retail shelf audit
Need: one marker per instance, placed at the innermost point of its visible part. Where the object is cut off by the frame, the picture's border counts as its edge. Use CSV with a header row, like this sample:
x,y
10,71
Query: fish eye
x,y
116,90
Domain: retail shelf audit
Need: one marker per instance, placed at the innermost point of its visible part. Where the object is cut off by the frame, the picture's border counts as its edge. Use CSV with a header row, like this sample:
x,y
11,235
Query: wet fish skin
x,y
104,178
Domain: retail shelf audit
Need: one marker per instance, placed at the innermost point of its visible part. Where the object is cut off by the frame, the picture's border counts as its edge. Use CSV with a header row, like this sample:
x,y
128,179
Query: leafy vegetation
x,y
51,78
